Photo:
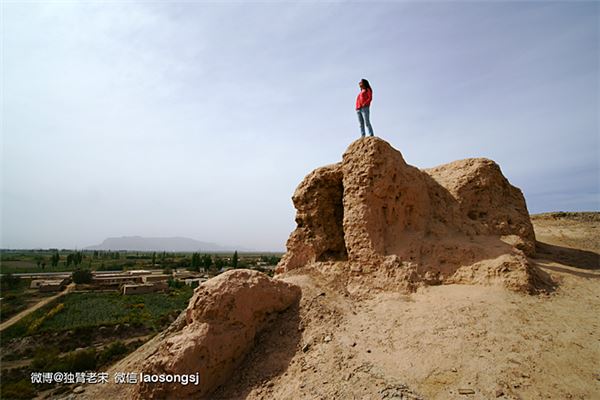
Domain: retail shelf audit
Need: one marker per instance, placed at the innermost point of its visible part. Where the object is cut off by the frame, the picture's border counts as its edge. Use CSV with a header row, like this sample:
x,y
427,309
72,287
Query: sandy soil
x,y
442,342
572,230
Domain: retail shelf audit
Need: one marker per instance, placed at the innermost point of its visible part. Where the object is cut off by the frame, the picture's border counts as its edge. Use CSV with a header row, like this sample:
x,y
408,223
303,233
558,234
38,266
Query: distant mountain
x,y
161,244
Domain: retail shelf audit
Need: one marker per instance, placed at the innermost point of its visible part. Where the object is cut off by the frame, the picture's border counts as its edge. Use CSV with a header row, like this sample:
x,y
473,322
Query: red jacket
x,y
364,98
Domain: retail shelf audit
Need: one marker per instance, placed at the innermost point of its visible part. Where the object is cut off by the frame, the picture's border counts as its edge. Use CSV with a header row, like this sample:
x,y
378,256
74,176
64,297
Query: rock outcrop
x,y
221,322
390,225
485,195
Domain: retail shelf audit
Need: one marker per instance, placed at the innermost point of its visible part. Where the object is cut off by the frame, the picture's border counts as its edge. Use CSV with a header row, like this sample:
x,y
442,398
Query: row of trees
x,y
206,261
201,261
113,255
74,258
197,261
71,259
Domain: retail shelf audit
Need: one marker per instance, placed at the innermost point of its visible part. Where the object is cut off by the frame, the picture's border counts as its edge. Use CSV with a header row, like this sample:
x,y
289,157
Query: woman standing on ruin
x,y
363,102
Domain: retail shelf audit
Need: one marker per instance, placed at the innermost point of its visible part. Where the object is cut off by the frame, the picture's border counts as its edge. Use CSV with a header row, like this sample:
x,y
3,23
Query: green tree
x,y
45,358
183,263
153,259
55,259
206,262
271,260
219,263
195,264
175,283
10,281
22,389
234,260
81,360
82,276
79,257
113,351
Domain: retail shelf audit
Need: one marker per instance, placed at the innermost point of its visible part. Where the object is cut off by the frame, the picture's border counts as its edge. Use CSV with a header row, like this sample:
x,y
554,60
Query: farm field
x,y
18,297
82,329
88,309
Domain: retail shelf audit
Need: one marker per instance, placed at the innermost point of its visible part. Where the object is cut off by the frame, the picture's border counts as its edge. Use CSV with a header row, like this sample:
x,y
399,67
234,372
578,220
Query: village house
x,y
49,285
104,280
155,278
144,288
138,272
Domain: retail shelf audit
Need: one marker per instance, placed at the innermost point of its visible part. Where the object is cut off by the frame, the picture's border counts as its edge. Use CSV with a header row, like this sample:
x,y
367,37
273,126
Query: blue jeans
x,y
363,117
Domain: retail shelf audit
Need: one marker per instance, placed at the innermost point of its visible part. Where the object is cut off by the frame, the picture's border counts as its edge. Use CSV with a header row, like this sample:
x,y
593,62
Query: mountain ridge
x,y
172,243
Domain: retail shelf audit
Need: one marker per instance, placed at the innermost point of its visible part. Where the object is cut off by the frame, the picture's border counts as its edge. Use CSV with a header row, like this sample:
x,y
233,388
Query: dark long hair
x,y
366,84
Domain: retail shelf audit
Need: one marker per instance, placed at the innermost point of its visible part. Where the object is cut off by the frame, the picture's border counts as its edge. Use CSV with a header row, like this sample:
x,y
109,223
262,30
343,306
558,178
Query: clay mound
x,y
378,222
221,322
485,195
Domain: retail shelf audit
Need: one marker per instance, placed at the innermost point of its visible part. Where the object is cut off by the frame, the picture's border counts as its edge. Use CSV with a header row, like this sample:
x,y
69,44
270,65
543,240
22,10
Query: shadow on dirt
x,y
577,258
273,350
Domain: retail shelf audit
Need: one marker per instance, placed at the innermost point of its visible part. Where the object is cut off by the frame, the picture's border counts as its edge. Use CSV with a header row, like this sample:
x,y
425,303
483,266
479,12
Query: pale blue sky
x,y
199,119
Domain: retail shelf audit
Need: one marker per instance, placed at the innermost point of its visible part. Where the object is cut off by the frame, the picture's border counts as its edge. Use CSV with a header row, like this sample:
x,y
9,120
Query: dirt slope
x,y
436,343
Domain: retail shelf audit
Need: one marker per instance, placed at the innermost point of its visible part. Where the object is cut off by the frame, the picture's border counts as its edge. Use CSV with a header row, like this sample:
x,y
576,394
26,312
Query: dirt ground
x,y
442,342
571,230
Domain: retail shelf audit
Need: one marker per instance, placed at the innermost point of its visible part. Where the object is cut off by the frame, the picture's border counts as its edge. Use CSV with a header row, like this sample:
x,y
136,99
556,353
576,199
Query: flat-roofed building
x,y
137,288
35,283
49,276
184,274
155,278
144,288
138,272
115,280
51,285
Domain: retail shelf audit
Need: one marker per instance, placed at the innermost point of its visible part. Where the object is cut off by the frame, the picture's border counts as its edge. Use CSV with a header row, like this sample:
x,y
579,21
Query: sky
x,y
199,119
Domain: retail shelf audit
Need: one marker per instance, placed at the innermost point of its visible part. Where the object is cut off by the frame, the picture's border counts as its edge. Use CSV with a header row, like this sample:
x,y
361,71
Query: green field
x,y
64,334
12,298
87,310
